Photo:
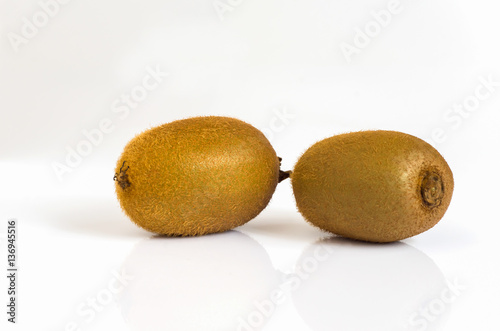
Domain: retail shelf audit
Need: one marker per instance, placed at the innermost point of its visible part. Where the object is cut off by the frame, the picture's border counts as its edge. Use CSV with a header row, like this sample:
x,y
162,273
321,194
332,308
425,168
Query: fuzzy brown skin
x,y
196,176
378,186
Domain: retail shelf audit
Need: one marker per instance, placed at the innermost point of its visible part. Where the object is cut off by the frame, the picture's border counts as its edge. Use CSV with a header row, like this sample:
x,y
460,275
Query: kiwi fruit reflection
x,y
365,286
196,283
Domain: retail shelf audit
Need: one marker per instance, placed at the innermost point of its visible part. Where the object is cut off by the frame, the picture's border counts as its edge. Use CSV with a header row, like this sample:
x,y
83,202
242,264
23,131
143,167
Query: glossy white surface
x,y
279,66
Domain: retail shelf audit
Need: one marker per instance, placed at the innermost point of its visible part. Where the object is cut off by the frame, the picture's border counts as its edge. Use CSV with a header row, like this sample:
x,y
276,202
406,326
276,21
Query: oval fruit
x,y
196,176
378,186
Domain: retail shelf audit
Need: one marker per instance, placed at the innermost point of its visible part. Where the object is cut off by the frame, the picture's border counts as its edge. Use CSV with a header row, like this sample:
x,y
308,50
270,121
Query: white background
x,y
278,65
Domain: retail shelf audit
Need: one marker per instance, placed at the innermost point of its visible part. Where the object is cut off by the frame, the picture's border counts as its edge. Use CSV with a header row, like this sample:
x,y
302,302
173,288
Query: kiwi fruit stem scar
x,y
122,177
432,189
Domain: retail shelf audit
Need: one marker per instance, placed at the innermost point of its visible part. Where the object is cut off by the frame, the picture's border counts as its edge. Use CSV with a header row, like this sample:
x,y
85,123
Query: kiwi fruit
x,y
196,176
377,186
